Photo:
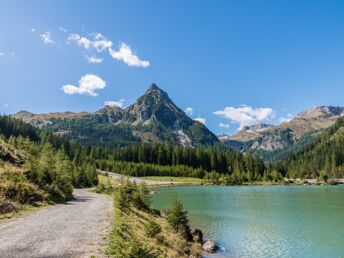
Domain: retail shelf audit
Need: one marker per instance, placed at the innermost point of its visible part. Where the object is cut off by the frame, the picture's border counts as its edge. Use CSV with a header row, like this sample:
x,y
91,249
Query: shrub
x,y
140,197
196,250
6,206
178,219
152,229
138,250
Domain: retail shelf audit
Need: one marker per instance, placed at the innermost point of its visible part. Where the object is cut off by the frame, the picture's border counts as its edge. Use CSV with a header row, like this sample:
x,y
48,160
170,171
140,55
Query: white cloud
x,y
222,125
189,111
98,42
94,59
286,119
88,84
246,115
201,120
47,38
33,30
126,55
81,41
115,103
6,106
62,29
2,54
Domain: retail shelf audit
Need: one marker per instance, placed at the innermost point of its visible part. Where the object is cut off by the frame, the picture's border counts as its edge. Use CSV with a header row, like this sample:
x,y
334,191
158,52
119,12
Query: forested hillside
x,y
36,166
170,160
323,157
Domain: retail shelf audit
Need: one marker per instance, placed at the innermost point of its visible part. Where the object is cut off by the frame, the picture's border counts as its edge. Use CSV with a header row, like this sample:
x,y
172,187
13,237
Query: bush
x,y
138,250
152,229
140,197
16,188
6,206
196,250
178,219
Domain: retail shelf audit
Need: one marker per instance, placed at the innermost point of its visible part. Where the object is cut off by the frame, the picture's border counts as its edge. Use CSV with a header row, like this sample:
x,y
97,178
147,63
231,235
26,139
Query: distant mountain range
x,y
152,118
275,142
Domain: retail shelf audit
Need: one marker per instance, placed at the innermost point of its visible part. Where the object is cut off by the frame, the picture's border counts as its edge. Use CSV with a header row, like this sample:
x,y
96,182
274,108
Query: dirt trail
x,y
78,228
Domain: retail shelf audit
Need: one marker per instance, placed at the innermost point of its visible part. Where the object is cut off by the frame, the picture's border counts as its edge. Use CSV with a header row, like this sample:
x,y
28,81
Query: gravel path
x,y
78,228
139,180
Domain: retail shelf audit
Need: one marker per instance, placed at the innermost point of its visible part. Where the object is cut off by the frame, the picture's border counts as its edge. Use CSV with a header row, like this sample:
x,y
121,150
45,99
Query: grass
x,y
108,180
23,210
168,244
188,180
139,231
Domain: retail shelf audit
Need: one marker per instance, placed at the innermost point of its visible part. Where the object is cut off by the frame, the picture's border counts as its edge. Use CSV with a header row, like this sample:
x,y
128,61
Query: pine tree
x,y
178,219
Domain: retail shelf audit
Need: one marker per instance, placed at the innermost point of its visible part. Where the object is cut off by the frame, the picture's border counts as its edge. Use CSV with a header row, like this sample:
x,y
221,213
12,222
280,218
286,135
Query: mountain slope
x,y
152,118
275,142
323,158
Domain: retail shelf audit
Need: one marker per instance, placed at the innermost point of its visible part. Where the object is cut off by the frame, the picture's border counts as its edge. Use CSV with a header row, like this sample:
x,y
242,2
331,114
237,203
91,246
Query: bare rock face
x,y
209,246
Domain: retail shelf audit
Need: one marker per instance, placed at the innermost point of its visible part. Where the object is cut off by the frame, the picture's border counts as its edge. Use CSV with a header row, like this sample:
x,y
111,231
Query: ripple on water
x,y
274,221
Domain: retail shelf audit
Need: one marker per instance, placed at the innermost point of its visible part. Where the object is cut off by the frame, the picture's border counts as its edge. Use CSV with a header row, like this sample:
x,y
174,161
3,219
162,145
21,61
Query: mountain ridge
x,y
274,139
154,117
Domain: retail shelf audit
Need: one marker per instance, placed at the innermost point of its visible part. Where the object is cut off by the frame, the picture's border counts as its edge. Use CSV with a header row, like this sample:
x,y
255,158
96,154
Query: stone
x,y
209,246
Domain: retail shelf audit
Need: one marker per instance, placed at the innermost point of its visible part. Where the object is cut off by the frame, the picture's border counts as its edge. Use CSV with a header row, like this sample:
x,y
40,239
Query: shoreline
x,y
218,248
249,184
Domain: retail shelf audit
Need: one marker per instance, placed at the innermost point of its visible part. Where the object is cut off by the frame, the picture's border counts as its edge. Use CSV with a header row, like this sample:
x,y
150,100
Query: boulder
x,y
209,246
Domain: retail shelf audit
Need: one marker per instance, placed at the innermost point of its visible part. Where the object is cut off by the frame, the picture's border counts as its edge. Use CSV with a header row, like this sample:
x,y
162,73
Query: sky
x,y
226,63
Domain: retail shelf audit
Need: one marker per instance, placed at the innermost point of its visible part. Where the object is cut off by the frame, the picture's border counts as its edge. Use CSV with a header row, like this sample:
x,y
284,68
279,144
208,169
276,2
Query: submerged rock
x,y
209,246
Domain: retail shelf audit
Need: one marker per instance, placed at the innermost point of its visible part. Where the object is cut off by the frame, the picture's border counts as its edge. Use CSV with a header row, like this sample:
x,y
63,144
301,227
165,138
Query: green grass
x,y
23,210
189,180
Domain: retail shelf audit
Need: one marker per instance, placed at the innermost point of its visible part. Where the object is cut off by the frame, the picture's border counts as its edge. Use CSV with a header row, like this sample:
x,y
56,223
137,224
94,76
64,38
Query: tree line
x,y
323,158
50,163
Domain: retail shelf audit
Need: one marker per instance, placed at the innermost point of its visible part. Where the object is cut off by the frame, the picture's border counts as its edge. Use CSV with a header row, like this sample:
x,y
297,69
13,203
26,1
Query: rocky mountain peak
x,y
257,127
322,112
153,87
154,105
155,92
110,109
153,117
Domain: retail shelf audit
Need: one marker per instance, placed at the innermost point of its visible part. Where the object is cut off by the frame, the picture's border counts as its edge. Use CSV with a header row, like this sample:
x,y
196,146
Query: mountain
x,y
323,157
152,118
275,142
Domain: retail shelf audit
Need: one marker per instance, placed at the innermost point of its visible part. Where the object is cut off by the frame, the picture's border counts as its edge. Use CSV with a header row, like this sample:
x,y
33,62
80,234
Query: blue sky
x,y
233,62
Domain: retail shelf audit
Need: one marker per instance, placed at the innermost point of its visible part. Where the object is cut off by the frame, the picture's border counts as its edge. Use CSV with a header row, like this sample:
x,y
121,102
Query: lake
x,y
265,221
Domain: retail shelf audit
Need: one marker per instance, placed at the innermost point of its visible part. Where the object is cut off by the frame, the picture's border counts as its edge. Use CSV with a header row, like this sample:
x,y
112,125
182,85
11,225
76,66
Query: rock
x,y
197,236
209,246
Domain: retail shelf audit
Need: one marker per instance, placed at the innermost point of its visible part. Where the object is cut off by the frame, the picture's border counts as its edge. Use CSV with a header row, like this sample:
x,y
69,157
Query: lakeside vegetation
x,y
140,231
186,180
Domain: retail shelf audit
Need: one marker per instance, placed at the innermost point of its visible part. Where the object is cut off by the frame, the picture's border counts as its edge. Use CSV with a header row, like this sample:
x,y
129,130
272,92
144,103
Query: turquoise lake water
x,y
265,221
